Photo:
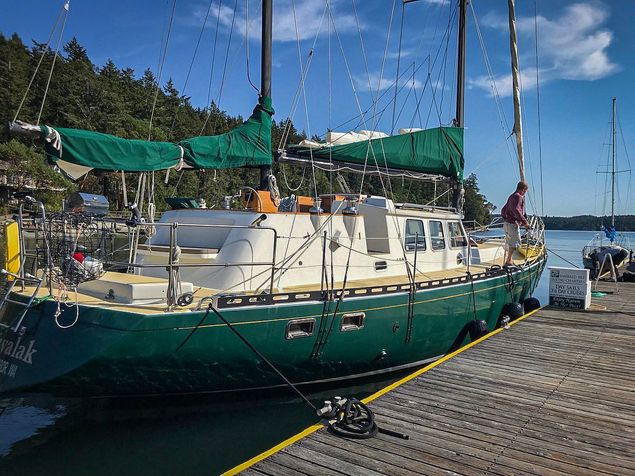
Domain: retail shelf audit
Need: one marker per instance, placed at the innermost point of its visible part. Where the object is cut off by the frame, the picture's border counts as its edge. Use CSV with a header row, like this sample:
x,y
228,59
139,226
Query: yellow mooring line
x,y
313,428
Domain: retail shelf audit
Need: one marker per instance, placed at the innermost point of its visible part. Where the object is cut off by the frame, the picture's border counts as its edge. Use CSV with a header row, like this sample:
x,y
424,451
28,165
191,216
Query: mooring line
x,y
273,367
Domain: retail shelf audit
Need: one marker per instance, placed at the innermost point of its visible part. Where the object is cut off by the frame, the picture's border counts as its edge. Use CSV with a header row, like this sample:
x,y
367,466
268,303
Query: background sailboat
x,y
600,257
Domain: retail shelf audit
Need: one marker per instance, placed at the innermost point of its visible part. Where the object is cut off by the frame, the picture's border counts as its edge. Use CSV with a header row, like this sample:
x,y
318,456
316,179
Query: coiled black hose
x,y
353,419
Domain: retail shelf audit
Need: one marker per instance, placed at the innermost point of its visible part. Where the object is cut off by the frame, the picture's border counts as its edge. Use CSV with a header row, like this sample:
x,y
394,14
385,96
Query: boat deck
x,y
551,395
201,292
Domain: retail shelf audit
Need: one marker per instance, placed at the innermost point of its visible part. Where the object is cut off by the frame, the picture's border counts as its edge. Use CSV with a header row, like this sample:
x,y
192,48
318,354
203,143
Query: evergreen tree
x,y
477,208
112,100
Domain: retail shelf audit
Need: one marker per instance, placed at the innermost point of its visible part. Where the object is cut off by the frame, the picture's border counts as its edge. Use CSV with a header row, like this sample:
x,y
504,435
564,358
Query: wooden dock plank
x,y
553,395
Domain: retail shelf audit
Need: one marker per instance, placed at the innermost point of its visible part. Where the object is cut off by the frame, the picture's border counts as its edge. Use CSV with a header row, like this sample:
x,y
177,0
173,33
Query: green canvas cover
x,y
247,145
107,152
432,151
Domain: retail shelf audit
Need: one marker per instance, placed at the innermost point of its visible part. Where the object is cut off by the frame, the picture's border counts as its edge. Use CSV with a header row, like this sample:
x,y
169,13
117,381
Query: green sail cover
x,y
431,151
247,145
106,152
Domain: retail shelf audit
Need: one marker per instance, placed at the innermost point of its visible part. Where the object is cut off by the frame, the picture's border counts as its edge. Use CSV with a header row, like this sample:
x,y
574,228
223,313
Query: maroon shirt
x,y
514,209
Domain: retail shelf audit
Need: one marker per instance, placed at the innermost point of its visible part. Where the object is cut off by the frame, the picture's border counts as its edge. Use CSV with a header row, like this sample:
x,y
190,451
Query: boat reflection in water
x,y
197,434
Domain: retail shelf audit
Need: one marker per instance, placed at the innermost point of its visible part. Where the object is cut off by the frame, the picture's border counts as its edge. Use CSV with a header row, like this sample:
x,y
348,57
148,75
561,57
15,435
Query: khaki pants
x,y
512,235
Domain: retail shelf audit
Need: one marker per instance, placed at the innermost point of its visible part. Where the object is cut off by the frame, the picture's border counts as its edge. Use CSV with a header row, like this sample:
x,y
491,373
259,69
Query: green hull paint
x,y
110,352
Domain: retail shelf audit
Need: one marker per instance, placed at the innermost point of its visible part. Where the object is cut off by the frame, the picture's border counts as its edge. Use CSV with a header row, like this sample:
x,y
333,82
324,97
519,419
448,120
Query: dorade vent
x,y
381,265
299,328
352,321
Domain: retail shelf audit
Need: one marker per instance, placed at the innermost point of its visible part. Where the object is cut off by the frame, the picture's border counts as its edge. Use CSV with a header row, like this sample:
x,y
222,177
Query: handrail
x,y
172,265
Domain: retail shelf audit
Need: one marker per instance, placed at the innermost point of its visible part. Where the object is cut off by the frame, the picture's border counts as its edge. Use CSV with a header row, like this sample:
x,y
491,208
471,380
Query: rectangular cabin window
x,y
299,328
457,238
436,235
415,235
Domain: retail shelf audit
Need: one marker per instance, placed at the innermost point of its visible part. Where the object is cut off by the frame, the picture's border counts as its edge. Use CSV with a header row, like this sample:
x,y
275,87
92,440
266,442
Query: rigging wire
x,y
48,81
417,100
444,40
412,88
364,116
444,63
490,74
63,9
348,69
383,61
189,71
294,103
162,57
222,84
607,168
302,81
498,101
526,147
361,41
542,192
296,98
247,45
628,161
394,104
211,74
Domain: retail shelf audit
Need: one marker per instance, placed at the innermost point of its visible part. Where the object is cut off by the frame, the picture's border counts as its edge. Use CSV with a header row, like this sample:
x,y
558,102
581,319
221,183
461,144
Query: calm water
x,y
193,435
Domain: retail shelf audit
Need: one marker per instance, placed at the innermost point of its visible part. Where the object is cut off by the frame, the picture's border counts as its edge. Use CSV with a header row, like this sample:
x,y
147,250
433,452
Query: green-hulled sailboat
x,y
327,288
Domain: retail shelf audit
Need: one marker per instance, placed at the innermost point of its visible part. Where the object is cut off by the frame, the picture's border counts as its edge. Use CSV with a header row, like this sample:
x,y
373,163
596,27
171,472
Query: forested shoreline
x,y
117,100
589,222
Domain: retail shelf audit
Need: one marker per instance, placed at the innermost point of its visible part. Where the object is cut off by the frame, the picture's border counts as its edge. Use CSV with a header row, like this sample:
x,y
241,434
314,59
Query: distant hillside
x,y
589,222
117,100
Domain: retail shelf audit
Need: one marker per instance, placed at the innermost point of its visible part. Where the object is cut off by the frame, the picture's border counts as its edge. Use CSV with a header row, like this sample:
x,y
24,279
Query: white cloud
x,y
572,46
308,15
393,55
503,83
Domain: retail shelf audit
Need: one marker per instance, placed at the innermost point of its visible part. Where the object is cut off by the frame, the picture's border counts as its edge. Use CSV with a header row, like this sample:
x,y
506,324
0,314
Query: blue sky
x,y
584,59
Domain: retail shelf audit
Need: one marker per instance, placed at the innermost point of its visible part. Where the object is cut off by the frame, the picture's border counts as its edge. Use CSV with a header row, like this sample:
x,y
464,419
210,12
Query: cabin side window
x,y
456,235
436,235
415,235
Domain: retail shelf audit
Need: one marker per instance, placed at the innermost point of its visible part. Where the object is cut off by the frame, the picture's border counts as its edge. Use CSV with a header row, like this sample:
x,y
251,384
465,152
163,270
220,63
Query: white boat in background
x,y
609,250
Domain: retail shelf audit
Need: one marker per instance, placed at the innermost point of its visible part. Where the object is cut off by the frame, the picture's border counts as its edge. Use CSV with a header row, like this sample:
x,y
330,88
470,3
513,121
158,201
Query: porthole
x,y
299,328
352,321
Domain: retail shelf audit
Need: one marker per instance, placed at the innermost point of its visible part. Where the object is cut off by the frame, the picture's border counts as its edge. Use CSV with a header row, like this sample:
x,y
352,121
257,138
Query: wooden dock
x,y
554,394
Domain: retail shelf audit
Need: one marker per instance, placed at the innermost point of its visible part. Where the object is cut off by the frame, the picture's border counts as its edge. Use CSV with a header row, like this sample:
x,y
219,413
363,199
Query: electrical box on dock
x,y
569,288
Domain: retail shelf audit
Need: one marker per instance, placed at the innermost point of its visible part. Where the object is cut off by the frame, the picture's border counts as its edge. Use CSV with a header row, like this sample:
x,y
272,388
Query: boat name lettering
x,y
17,350
7,368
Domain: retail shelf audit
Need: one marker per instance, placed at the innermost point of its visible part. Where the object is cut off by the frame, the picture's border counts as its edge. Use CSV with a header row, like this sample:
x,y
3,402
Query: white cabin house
x,y
233,250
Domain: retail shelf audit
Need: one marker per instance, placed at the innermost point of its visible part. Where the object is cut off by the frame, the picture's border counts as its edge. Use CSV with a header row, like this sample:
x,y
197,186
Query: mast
x,y
518,125
460,84
265,72
459,120
613,169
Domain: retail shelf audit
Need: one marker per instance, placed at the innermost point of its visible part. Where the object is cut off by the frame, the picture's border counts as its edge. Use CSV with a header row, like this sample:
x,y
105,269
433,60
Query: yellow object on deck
x,y
531,251
12,248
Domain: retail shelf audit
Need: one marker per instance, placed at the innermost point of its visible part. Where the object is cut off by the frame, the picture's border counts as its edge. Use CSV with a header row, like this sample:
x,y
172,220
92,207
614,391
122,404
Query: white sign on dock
x,y
569,288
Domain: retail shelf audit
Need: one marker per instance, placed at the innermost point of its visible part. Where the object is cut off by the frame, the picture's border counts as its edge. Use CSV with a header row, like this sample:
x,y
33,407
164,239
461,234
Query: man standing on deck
x,y
514,215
